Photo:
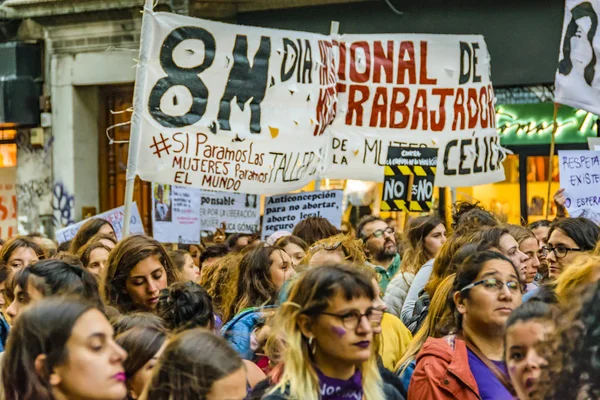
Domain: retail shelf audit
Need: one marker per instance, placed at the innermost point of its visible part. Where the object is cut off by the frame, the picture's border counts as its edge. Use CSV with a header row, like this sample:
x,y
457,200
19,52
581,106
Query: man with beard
x,y
379,243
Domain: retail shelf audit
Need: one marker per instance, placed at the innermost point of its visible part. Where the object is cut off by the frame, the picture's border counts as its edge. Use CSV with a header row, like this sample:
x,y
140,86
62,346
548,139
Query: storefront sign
x,y
578,75
175,217
114,216
580,177
284,212
239,212
408,90
231,108
401,164
8,202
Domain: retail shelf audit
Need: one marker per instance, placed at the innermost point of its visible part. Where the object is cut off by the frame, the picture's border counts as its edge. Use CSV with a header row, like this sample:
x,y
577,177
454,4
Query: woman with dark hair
x,y
63,349
21,251
123,323
198,365
138,269
186,305
94,257
238,241
567,238
182,260
195,251
262,273
499,239
540,229
528,326
144,347
328,326
470,365
109,241
425,237
313,229
88,230
528,244
295,247
50,278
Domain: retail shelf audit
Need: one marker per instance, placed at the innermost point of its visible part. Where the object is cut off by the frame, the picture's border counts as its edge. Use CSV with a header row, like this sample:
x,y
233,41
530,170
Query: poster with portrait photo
x,y
163,211
578,74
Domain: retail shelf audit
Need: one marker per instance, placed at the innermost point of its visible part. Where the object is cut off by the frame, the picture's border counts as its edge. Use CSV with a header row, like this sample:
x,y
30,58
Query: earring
x,y
312,348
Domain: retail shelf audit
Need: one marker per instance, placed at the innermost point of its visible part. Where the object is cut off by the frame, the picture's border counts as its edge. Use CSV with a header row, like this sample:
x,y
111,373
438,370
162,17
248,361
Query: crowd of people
x,y
479,309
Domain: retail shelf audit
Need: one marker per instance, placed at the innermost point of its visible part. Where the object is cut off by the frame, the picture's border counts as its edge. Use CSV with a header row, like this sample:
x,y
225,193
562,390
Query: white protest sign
x,y
580,177
240,212
470,161
407,90
231,108
578,75
285,211
8,202
594,143
114,216
175,217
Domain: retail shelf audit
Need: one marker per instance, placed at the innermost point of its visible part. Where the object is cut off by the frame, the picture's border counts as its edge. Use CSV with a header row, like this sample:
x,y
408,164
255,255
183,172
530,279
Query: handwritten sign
x,y
285,211
407,90
114,216
175,217
580,177
8,202
401,164
221,105
240,212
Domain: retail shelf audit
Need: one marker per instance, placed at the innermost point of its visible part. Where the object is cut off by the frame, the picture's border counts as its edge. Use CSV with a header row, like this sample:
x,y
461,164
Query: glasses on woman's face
x,y
494,285
559,251
380,232
352,318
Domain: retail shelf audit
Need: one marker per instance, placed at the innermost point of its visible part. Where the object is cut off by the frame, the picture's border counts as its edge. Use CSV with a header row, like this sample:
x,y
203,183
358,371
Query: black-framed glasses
x,y
380,232
313,249
352,318
495,285
559,251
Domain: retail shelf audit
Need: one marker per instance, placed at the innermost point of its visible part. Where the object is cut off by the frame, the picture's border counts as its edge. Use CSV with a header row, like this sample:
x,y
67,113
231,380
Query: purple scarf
x,y
338,389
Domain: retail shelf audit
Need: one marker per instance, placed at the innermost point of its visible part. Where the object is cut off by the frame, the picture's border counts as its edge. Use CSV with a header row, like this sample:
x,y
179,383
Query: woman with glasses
x,y
327,326
469,364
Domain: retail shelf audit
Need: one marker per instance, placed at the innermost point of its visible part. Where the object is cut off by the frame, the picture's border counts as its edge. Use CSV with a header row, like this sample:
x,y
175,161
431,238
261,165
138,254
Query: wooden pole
x,y
550,164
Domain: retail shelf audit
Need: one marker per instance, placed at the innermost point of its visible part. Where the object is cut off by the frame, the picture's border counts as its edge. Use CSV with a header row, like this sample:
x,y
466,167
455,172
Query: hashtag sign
x,y
161,145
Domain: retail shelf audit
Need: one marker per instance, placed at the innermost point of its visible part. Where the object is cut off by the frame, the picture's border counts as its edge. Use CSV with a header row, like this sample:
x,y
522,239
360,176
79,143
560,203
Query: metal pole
x,y
134,144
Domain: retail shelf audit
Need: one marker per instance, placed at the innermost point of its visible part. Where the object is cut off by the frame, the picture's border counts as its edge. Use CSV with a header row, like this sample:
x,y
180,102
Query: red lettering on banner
x,y
437,124
491,106
383,62
404,66
379,110
356,105
399,107
483,107
423,79
342,66
14,201
420,109
355,76
459,109
472,107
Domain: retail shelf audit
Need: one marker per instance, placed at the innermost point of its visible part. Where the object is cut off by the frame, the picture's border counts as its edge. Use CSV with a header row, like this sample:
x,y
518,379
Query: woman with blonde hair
x,y
334,250
529,245
583,271
327,325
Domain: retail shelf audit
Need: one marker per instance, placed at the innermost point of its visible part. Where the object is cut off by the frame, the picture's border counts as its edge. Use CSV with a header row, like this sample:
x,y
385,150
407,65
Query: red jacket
x,y
443,372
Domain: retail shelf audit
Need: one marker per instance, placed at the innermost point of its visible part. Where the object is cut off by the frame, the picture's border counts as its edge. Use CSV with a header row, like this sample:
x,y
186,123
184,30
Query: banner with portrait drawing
x,y
578,74
231,108
408,90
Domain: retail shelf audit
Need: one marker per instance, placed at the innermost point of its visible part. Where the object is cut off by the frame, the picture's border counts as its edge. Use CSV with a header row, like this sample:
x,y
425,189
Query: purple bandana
x,y
338,389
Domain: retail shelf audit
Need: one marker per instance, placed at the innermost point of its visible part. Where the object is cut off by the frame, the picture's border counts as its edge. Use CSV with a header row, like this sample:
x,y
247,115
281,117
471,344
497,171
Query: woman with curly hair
x,y
573,370
334,250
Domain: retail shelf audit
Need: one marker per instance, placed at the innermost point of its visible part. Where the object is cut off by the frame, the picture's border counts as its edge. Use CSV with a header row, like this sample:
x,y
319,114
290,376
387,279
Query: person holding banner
x,y
138,269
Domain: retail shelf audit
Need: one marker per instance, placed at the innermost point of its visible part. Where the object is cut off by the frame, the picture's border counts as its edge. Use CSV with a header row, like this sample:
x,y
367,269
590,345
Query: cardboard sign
x,y
470,161
8,202
284,212
580,177
401,164
408,90
231,108
240,212
175,217
114,216
578,75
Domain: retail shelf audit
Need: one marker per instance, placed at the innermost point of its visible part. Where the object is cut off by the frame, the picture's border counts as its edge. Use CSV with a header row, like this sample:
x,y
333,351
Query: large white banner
x,y
580,177
231,108
239,212
409,90
175,216
578,74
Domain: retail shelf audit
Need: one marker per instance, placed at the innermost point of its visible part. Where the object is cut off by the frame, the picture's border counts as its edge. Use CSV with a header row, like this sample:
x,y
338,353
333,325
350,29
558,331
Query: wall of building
x,y
523,36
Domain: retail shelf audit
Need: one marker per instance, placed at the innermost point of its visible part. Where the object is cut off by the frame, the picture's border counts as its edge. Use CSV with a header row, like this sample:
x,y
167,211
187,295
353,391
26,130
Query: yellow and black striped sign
x,y
400,205
395,170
